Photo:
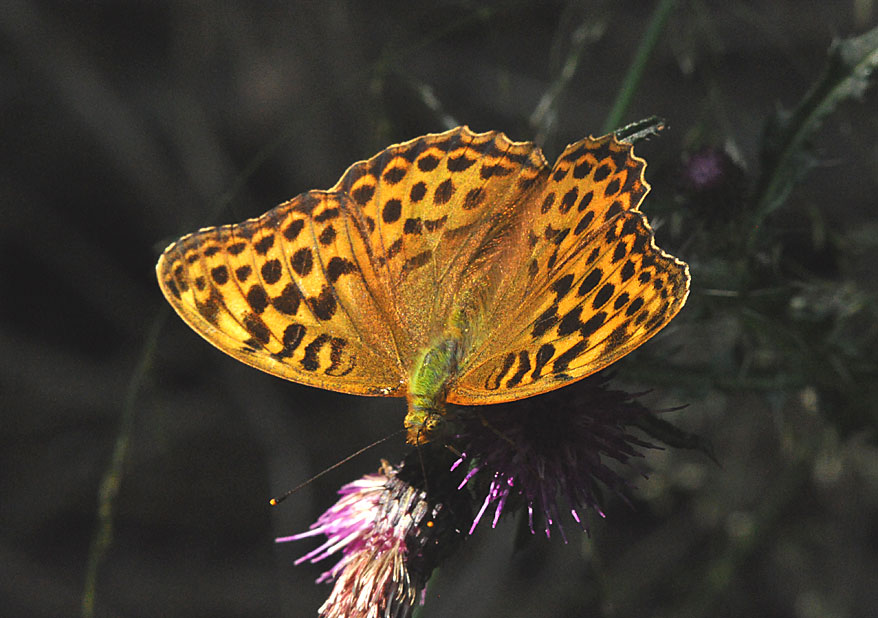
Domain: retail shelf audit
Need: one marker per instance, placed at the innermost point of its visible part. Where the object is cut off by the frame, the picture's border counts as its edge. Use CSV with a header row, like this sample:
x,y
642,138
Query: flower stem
x,y
112,479
638,65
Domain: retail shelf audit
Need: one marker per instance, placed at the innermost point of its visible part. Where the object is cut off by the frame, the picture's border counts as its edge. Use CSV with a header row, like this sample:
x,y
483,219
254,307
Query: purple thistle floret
x,y
549,454
346,524
370,524
712,181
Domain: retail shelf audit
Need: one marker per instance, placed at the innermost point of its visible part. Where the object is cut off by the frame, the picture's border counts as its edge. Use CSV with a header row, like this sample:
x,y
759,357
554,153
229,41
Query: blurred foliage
x,y
130,124
785,154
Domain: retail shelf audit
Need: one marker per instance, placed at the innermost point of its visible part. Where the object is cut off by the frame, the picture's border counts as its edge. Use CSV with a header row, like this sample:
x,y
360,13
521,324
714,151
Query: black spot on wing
x,y
620,251
243,272
257,299
363,194
394,248
327,235
602,172
497,169
302,261
593,324
392,211
569,200
493,382
582,169
459,163
585,201
337,267
604,294
324,304
616,339
413,226
292,337
336,349
590,282
584,222
614,209
563,361
543,356
293,229
634,307
309,361
418,191
326,215
288,300
264,244
271,271
417,261
570,323
431,225
474,198
562,286
173,287
393,175
443,192
612,188
546,320
257,328
209,309
428,163
523,368
220,275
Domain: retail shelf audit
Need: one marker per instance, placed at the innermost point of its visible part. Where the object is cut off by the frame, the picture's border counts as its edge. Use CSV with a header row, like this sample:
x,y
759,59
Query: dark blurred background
x,y
128,124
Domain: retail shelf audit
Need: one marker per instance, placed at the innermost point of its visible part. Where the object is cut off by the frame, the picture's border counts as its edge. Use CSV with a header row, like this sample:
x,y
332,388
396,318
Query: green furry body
x,y
428,388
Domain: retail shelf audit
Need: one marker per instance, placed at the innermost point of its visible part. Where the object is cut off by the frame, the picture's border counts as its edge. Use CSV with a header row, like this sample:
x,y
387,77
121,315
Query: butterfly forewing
x,y
434,208
289,293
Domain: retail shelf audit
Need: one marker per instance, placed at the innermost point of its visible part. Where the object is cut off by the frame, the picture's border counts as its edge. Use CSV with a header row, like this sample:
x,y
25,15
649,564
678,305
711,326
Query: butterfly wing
x,y
435,208
591,284
292,293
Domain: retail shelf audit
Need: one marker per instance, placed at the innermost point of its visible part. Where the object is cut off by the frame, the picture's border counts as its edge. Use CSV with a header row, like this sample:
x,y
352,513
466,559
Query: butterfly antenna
x,y
277,500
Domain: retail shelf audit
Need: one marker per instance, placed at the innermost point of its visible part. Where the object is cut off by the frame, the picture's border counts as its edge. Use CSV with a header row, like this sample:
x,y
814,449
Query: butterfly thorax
x,y
428,388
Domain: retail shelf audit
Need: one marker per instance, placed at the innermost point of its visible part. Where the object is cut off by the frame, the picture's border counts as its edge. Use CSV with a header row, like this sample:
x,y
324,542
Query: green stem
x,y
638,65
112,480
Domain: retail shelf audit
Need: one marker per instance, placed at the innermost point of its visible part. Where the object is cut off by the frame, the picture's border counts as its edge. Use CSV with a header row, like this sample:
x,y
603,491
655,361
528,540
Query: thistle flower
x,y
391,537
711,180
549,454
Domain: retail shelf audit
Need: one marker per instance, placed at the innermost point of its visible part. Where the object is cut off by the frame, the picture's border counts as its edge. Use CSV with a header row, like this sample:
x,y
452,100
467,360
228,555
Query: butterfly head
x,y
421,425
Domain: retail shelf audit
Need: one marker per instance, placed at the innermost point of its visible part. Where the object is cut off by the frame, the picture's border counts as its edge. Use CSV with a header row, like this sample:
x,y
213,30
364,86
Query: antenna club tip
x,y
273,502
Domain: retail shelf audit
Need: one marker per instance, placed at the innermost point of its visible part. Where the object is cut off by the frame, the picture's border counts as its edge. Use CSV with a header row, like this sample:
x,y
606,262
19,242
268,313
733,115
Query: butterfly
x,y
454,268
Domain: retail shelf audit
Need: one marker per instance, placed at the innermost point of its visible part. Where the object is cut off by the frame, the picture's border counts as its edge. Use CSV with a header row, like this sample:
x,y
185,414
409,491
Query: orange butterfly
x,y
456,267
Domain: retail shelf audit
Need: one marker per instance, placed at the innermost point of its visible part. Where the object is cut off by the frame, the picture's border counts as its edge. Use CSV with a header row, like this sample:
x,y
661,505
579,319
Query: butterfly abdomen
x,y
427,388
